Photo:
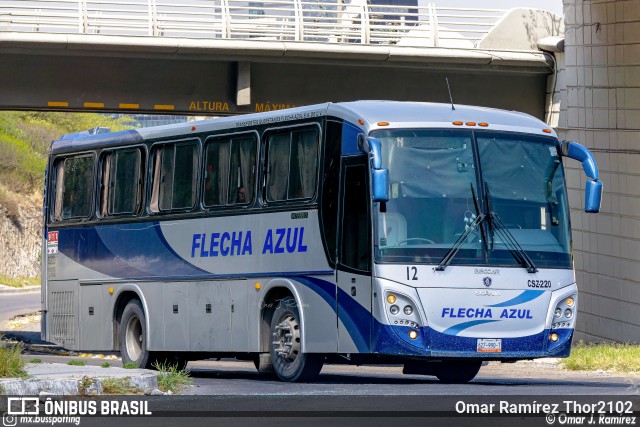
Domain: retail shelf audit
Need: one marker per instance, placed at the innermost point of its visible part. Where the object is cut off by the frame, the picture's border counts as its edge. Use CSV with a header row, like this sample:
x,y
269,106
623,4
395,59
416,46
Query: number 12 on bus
x,y
359,232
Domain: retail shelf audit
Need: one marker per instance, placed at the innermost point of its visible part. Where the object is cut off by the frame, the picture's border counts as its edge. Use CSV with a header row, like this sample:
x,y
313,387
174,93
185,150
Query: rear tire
x,y
289,362
450,372
133,336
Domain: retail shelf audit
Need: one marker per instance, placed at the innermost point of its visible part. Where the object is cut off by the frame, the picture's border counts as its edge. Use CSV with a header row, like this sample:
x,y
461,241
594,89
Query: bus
x,y
428,235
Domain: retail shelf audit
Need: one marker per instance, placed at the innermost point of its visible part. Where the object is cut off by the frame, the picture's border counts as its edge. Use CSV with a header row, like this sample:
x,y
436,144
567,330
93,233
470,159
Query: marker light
x,y
546,130
470,123
553,337
408,310
568,313
570,301
111,291
391,298
383,123
258,286
457,123
483,124
361,121
413,334
394,309
558,313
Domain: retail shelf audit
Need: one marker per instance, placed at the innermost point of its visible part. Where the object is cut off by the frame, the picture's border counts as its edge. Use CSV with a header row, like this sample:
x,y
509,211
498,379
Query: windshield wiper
x,y
451,253
496,225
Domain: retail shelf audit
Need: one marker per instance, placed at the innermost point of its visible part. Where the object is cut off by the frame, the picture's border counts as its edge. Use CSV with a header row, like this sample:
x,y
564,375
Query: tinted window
x,y
230,171
174,176
74,187
121,183
292,165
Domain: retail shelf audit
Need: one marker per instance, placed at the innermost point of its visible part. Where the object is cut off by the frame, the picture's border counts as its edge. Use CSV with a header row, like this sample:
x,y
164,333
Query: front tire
x,y
450,372
133,336
289,362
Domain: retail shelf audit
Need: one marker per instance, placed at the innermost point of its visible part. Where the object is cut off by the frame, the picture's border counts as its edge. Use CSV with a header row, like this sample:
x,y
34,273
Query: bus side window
x,y
174,176
292,165
230,171
121,183
74,187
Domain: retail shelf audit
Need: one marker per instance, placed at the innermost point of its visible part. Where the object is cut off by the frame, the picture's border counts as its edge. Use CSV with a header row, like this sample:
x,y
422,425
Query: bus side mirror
x,y
379,175
593,189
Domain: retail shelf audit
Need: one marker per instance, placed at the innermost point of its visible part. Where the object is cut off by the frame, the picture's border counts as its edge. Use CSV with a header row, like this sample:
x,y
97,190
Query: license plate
x,y
489,346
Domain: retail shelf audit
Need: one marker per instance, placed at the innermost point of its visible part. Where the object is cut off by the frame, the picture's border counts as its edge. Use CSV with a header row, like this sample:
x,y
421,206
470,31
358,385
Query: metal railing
x,y
285,20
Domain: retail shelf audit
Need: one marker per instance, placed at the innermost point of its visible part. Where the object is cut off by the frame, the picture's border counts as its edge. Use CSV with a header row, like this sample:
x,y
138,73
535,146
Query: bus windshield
x,y
441,180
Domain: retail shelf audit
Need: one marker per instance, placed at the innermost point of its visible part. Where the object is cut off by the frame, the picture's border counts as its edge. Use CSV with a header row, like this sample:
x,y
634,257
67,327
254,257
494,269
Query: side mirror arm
x,y
593,187
379,175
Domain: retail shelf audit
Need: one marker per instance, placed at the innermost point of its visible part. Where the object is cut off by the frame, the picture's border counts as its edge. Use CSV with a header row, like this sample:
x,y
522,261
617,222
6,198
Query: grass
x,y
19,282
11,365
130,365
119,386
618,358
35,361
76,363
105,365
171,378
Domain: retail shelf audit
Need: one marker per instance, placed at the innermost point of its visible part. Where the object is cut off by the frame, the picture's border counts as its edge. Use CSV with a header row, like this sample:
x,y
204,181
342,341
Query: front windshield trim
x,y
544,253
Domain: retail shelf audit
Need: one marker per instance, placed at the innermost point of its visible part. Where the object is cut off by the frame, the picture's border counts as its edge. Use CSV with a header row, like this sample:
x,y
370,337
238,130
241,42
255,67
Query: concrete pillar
x,y
598,105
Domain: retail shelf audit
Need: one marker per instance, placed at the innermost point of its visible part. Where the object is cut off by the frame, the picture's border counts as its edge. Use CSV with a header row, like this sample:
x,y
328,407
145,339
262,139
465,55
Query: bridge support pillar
x,y
243,84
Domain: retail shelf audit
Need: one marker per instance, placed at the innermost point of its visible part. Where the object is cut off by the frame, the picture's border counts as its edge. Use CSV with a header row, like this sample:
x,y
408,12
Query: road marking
x,y
129,106
163,107
57,104
94,105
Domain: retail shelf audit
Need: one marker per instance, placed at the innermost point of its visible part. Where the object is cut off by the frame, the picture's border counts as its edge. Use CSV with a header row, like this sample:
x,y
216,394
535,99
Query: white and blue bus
x,y
358,232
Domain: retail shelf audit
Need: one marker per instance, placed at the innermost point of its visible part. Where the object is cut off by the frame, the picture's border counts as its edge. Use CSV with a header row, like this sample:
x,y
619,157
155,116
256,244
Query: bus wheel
x,y
451,372
133,336
289,363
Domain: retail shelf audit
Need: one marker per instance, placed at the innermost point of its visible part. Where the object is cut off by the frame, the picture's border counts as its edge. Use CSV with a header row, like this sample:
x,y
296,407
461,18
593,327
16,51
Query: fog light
x,y
394,309
570,302
391,298
553,337
408,310
413,334
568,313
558,313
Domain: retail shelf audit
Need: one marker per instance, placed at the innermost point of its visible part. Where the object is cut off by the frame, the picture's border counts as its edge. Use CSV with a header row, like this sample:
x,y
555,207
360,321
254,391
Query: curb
x,y
80,381
10,290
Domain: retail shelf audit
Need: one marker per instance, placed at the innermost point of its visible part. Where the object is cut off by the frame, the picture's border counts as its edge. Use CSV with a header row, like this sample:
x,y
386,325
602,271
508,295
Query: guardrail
x,y
325,21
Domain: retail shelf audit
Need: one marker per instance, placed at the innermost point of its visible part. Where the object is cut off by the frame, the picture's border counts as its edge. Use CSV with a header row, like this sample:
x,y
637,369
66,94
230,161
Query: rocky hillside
x,y
24,143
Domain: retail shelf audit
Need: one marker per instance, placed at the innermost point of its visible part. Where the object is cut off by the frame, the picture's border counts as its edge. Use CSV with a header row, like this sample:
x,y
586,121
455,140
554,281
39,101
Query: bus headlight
x,y
568,313
391,298
558,313
394,309
408,310
570,301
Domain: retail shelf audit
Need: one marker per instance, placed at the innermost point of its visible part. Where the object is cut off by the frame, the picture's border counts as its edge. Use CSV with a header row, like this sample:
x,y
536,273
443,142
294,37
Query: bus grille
x,y
63,318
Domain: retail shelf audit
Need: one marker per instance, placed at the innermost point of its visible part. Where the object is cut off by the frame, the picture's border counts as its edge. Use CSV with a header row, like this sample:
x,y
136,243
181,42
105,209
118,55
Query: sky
x,y
554,6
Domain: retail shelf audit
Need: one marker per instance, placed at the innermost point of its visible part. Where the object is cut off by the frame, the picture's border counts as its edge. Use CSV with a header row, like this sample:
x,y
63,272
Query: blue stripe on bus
x,y
526,296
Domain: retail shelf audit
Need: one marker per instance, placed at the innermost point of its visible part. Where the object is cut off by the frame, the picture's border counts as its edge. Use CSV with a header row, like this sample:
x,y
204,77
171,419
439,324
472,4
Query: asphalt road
x,y
12,304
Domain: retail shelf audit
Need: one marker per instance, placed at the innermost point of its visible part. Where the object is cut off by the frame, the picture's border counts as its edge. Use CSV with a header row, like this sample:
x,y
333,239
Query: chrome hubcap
x,y
286,338
134,338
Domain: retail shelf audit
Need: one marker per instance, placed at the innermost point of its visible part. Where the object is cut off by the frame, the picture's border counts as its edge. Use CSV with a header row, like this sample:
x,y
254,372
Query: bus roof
x,y
365,114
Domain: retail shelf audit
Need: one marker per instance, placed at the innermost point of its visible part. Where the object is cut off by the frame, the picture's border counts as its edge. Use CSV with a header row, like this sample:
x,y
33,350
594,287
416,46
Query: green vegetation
x,y
18,282
130,365
105,365
76,363
119,386
34,361
24,143
619,358
171,378
11,365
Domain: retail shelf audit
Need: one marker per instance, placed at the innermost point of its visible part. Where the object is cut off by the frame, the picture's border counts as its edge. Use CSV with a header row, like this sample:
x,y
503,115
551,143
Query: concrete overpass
x,y
222,57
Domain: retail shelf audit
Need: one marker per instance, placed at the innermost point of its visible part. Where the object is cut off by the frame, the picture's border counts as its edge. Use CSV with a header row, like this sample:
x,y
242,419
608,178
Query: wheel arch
x,y
123,296
274,290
